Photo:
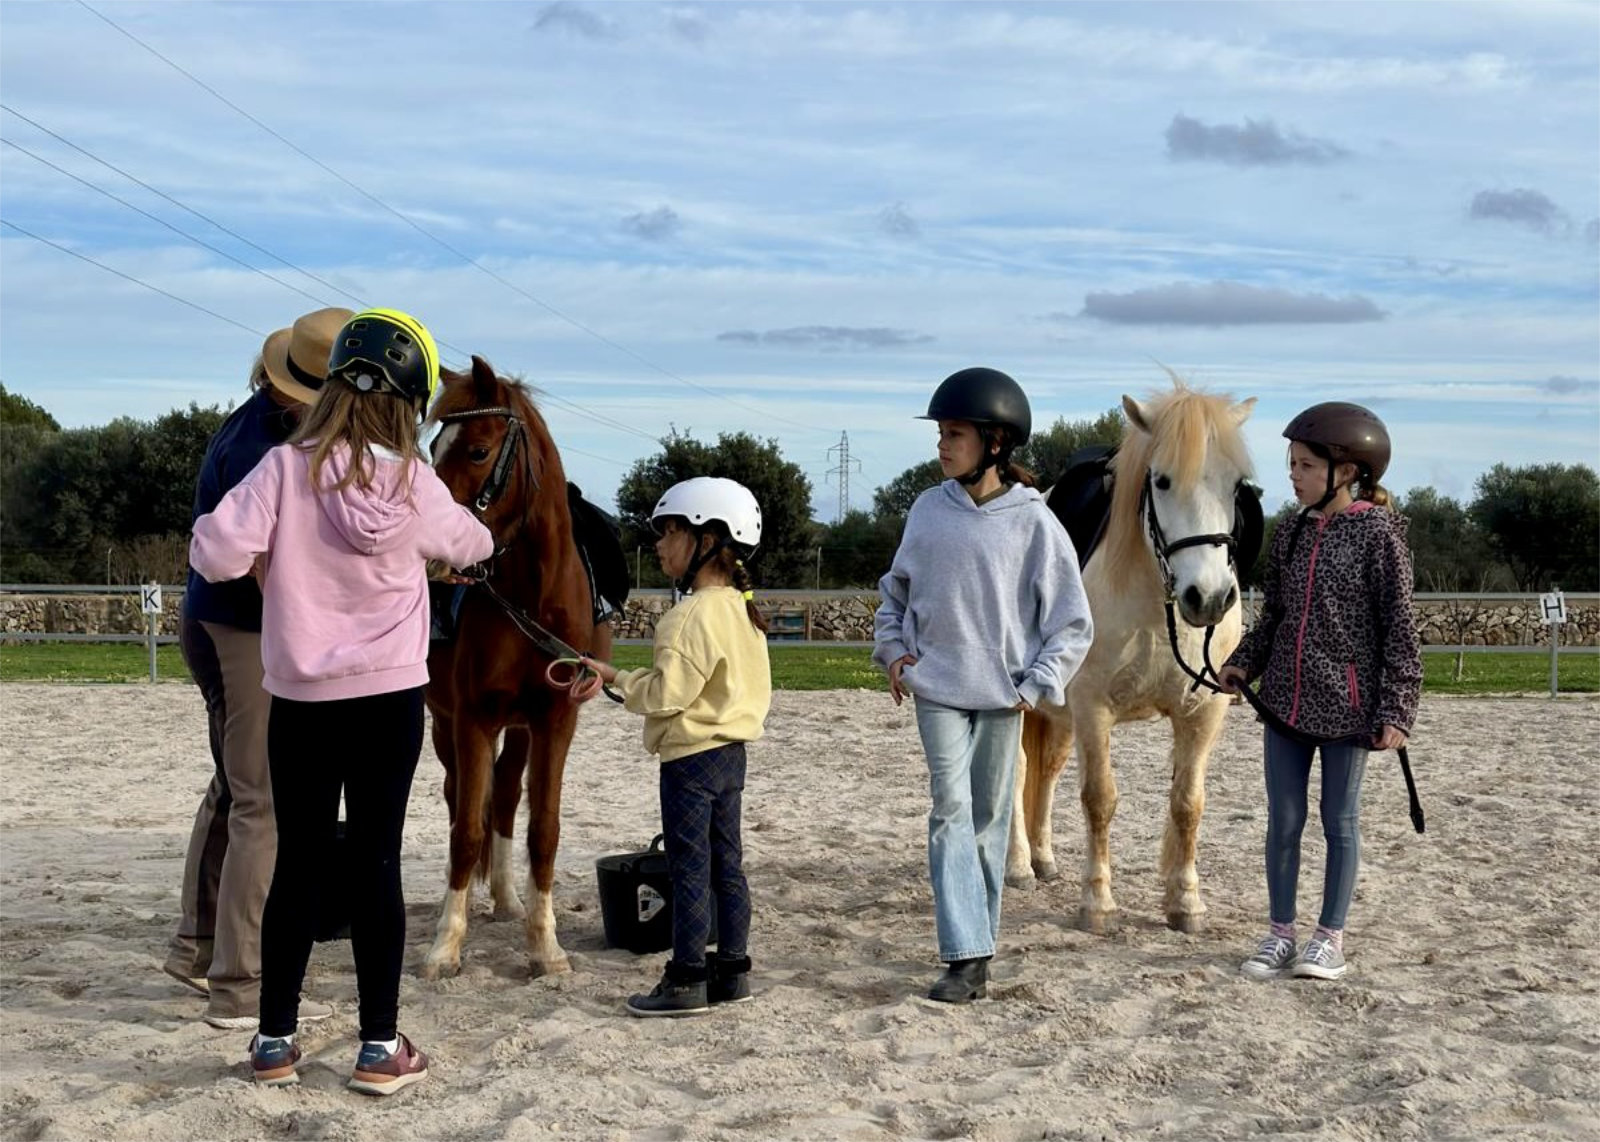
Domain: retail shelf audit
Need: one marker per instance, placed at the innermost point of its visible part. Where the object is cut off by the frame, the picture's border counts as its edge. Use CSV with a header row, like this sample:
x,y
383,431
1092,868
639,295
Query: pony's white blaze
x,y
1192,439
445,441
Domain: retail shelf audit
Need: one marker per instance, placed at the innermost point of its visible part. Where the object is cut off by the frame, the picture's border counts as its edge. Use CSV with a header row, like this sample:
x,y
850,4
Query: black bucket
x,y
636,900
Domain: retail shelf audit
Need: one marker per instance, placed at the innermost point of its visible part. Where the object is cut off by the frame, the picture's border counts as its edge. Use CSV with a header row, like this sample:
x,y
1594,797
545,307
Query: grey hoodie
x,y
988,599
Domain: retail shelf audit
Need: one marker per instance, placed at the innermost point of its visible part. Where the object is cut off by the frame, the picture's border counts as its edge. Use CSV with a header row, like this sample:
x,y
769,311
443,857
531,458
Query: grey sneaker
x,y
1321,959
1273,958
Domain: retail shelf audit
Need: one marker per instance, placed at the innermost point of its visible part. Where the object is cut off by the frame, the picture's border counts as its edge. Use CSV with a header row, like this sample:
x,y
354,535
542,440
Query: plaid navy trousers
x,y
701,799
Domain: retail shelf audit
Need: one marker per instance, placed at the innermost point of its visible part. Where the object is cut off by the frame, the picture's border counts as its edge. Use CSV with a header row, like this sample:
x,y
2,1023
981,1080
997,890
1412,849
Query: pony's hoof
x,y
1020,881
1046,870
1190,923
1098,921
537,968
511,911
441,969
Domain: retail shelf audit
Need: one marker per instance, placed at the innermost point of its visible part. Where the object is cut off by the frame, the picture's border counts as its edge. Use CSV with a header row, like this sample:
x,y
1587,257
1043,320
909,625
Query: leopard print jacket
x,y
1336,647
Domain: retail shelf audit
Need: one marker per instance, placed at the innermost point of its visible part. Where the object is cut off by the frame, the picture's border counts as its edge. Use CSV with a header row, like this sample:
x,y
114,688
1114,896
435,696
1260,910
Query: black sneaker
x,y
682,991
729,981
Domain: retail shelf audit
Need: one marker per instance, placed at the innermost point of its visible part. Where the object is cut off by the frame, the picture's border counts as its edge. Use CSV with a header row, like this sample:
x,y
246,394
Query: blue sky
x,y
795,219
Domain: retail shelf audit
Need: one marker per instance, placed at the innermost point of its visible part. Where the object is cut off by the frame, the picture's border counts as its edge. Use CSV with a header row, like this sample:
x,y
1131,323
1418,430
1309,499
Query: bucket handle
x,y
655,847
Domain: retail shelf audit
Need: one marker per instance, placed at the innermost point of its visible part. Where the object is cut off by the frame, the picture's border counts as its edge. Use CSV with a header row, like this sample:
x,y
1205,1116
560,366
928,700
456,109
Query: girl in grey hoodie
x,y
983,617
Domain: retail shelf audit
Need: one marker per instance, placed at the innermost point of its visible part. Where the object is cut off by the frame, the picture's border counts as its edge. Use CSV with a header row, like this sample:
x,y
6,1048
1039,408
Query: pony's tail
x,y
742,584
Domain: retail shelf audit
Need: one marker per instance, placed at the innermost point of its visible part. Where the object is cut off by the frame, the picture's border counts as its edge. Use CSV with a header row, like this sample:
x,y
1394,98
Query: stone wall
x,y
834,617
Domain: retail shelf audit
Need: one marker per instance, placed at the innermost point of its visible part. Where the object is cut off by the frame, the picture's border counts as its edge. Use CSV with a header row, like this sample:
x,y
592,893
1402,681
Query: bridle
x,y
566,670
1165,550
1169,578
495,484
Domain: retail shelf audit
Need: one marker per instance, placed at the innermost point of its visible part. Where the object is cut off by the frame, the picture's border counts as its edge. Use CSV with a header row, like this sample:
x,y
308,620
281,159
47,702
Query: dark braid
x,y
728,561
1009,473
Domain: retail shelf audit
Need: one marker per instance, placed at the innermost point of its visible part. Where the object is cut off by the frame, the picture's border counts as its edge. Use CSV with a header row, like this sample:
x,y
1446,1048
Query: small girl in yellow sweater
x,y
705,694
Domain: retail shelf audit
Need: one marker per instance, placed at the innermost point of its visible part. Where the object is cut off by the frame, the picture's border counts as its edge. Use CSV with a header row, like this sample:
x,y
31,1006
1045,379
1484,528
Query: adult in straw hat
x,y
216,949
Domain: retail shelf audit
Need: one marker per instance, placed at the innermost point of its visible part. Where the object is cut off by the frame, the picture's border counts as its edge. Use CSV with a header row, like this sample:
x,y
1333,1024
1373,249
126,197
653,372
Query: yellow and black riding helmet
x,y
384,350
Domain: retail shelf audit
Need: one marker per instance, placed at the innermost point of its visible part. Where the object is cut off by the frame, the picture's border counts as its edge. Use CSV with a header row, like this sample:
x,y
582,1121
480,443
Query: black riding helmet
x,y
984,397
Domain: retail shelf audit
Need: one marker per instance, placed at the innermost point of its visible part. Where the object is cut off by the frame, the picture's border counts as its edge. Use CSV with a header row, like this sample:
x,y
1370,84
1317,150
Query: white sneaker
x,y
1273,958
1321,959
310,1012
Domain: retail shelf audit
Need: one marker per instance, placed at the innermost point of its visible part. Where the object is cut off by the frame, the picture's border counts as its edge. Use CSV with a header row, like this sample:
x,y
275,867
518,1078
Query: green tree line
x,y
113,502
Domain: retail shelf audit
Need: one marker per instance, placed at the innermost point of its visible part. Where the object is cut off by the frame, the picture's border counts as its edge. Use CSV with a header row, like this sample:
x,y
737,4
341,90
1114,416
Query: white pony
x,y
1167,544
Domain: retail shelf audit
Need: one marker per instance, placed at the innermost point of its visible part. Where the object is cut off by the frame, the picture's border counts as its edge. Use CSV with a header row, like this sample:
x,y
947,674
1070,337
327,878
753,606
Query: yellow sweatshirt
x,y
710,682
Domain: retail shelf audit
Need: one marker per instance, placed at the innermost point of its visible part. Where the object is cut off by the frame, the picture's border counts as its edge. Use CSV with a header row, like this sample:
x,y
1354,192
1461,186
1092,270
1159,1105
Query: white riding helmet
x,y
706,498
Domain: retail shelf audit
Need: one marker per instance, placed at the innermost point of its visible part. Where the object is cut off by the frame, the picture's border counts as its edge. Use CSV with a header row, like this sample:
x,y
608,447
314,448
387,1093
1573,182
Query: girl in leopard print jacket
x,y
1340,664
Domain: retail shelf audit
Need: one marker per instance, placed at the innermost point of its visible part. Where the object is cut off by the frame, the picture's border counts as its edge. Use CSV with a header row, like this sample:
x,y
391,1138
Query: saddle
x,y
599,540
1081,500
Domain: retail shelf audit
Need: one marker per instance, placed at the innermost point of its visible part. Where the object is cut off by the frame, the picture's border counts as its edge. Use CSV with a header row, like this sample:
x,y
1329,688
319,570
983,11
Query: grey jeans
x,y
1288,771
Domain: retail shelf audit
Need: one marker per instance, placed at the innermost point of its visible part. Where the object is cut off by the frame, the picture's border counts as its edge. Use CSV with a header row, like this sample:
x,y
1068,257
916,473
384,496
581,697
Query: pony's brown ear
x,y
483,379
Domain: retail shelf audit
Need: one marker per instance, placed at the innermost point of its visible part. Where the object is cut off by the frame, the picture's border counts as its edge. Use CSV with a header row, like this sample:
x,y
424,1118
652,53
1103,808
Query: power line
x,y
162,222
131,278
546,306
221,317
180,205
571,406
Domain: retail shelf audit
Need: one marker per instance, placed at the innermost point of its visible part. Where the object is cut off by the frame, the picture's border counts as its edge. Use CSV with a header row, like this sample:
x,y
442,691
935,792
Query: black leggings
x,y
367,747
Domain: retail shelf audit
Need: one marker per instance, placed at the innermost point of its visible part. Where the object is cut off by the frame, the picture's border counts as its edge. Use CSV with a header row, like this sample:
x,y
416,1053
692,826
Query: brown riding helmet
x,y
1349,433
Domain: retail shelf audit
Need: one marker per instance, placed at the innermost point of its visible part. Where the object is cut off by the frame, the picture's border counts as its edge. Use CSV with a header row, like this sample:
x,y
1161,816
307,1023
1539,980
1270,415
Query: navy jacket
x,y
249,433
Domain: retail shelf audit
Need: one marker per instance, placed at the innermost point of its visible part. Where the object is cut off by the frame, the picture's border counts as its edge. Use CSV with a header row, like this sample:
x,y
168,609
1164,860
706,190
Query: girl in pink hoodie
x,y
338,524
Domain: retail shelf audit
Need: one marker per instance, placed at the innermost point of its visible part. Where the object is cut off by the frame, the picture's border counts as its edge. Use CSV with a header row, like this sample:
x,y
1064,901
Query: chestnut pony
x,y
495,454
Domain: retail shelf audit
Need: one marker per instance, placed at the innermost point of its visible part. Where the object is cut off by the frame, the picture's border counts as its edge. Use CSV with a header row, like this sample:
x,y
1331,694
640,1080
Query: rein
x,y
583,683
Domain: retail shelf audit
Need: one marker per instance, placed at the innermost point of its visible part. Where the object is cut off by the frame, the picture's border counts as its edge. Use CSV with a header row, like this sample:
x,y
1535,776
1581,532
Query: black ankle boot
x,y
682,991
962,981
729,981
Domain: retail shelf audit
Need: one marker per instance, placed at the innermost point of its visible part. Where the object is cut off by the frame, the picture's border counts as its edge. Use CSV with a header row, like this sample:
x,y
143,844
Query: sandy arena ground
x,y
1472,1009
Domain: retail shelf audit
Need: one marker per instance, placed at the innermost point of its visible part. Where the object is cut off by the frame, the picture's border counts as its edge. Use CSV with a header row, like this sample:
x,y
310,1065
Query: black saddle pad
x,y
1081,498
599,539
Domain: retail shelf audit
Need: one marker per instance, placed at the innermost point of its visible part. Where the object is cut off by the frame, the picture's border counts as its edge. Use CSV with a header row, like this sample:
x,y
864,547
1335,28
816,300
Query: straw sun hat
x,y
296,359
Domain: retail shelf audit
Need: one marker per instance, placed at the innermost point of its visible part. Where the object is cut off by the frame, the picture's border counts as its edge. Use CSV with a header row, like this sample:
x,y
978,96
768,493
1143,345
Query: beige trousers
x,y
234,842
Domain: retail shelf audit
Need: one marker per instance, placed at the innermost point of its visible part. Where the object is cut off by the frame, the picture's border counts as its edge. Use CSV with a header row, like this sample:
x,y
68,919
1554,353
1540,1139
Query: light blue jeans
x,y
1288,766
972,771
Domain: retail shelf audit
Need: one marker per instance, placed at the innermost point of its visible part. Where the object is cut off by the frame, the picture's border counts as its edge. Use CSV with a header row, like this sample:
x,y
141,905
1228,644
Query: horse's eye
x,y
478,454
1163,483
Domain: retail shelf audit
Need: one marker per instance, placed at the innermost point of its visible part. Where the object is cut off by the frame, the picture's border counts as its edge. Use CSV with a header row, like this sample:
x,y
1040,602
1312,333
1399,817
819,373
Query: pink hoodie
x,y
345,595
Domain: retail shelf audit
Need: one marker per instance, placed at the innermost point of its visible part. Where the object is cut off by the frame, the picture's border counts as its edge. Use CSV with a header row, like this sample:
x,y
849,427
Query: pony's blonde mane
x,y
1185,424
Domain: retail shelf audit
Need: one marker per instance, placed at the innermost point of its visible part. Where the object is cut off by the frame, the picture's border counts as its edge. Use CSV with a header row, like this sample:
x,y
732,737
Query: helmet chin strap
x,y
976,474
685,582
1333,488
989,460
